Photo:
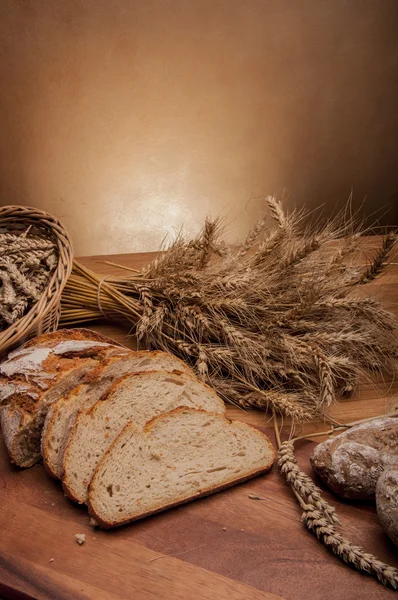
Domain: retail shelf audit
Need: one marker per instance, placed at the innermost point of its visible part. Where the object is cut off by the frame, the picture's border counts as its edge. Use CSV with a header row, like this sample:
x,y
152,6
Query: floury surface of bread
x,y
139,398
179,456
62,413
30,368
352,462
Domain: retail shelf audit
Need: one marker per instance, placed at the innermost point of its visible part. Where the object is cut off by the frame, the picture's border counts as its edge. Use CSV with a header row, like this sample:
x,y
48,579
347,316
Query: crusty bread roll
x,y
387,502
36,375
352,462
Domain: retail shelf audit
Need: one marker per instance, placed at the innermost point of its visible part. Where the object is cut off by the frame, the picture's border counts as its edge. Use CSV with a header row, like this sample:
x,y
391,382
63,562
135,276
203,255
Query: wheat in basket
x,y
35,262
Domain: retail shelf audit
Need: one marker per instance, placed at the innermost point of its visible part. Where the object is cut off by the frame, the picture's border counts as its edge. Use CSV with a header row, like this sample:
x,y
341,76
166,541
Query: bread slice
x,y
36,375
137,397
179,456
62,413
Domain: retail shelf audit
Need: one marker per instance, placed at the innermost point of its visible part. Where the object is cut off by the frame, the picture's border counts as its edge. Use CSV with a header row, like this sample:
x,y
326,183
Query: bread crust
x,y
78,333
107,396
28,388
27,394
387,502
91,377
148,427
351,463
69,493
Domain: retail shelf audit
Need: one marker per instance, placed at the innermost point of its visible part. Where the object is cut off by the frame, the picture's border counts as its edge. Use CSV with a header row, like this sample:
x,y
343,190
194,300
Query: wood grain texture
x,y
227,545
98,569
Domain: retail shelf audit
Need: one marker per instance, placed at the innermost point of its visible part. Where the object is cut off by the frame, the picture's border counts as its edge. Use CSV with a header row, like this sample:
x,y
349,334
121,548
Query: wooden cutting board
x,y
225,546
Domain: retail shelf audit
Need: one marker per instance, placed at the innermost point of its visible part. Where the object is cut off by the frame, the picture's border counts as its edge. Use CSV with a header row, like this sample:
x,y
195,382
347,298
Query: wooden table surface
x,y
226,546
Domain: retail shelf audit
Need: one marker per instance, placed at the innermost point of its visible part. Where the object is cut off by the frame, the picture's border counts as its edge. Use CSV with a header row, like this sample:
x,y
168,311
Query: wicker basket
x,y
44,315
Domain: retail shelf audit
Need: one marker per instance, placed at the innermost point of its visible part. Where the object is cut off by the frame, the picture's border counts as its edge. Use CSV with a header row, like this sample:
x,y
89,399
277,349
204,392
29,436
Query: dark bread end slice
x,y
33,368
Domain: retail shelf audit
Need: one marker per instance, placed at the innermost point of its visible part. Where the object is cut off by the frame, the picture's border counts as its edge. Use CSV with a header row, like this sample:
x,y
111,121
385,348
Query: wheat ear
x,y
320,518
316,522
325,376
276,211
378,264
303,484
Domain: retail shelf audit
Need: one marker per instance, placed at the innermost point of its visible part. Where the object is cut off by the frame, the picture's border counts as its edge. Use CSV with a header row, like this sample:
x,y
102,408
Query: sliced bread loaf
x,y
137,397
36,375
62,413
179,456
33,367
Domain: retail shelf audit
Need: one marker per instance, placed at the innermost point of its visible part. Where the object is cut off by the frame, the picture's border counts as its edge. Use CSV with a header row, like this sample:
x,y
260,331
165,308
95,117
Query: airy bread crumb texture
x,y
62,414
178,457
137,398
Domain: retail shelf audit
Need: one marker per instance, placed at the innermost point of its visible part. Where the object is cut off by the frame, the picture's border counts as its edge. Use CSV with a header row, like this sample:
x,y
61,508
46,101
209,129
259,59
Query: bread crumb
x,y
80,538
52,559
93,522
224,529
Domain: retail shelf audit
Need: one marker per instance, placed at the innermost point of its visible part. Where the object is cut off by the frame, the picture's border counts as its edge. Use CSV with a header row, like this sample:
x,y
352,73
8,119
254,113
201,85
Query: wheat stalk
x,y
275,324
327,395
303,484
321,518
351,554
379,262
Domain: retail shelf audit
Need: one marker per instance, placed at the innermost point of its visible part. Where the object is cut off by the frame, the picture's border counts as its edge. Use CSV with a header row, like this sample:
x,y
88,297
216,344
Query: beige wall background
x,y
130,118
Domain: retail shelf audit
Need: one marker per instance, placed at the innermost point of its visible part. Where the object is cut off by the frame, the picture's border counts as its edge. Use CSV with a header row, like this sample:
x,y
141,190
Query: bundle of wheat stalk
x,y
279,323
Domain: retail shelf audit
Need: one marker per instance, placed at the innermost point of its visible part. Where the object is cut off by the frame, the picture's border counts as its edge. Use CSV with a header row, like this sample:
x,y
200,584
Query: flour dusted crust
x,y
352,462
29,370
387,502
8,390
34,376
